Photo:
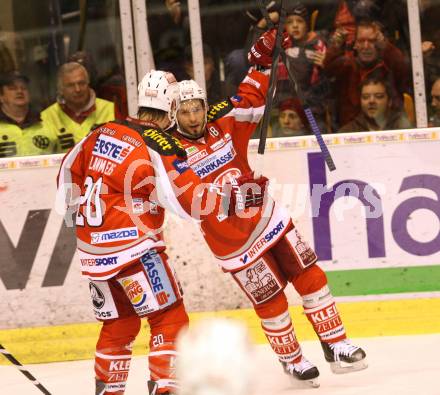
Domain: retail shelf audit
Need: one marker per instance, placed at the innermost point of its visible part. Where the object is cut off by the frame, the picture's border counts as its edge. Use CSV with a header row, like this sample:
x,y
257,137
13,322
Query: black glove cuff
x,y
260,68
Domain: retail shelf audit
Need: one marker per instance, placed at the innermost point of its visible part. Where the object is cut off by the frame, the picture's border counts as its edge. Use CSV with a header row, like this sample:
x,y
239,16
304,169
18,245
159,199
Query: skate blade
x,y
301,384
341,368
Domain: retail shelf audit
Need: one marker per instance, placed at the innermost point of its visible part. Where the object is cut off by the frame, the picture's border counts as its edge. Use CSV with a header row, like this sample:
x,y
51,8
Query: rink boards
x,y
361,319
374,222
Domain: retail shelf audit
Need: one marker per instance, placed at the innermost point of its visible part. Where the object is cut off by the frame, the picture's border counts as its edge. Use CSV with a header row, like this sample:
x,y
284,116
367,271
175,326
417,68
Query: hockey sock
x,y
319,305
164,328
321,311
279,332
113,355
278,328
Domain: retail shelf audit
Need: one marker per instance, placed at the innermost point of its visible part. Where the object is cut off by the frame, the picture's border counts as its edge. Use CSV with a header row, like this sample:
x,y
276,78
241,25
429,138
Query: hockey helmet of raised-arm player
x,y
159,90
190,90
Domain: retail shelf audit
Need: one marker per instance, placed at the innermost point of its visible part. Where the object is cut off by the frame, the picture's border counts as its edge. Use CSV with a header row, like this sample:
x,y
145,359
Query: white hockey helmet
x,y
160,90
191,90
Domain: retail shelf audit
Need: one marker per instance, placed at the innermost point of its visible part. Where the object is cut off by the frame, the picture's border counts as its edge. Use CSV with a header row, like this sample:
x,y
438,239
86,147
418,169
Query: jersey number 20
x,y
92,215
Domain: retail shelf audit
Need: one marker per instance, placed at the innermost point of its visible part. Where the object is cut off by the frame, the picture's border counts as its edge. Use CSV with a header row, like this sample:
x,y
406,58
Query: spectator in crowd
x,y
376,112
213,85
349,12
77,109
373,55
305,52
85,58
169,27
394,18
21,130
111,88
217,28
236,62
429,17
434,119
291,119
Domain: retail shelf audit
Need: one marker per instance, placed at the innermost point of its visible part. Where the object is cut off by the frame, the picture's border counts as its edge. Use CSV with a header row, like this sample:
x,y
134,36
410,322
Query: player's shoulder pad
x,y
95,127
219,109
157,139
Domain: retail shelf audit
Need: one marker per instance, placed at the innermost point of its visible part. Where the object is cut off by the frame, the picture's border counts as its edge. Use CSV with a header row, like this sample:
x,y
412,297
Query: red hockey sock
x,y
321,311
281,336
319,305
113,354
165,328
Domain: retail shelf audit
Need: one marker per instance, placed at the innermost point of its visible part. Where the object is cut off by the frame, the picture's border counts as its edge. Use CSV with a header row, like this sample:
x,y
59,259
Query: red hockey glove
x,y
261,52
248,191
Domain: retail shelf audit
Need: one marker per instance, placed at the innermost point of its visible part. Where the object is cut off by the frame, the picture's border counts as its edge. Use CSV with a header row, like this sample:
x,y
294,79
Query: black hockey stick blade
x,y
22,369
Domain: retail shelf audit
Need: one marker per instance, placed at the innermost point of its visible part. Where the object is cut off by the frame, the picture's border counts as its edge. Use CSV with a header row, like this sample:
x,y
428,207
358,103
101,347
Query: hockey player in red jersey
x,y
258,243
118,182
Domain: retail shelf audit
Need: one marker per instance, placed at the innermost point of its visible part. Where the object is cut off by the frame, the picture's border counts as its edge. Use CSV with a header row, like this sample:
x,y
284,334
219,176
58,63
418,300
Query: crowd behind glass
x,y
351,59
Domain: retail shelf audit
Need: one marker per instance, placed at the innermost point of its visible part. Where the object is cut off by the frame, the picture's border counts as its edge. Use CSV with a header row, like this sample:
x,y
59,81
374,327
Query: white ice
x,y
400,365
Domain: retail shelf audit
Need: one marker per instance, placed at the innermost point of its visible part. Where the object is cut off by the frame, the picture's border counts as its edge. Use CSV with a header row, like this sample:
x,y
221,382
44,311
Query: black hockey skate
x,y
303,372
344,357
153,387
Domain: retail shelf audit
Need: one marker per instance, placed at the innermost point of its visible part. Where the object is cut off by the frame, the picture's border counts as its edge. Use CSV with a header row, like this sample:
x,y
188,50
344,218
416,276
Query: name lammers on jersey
x,y
214,161
100,165
113,149
114,235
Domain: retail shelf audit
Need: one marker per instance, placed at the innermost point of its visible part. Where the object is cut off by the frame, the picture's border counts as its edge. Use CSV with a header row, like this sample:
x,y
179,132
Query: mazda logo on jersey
x,y
98,298
114,235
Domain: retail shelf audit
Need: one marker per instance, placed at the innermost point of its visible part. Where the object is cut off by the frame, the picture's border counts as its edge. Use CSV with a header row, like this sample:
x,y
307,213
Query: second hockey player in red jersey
x,y
118,180
255,240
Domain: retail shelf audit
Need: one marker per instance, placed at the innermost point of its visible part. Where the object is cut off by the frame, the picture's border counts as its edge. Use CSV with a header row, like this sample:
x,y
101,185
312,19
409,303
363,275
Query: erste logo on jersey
x,y
114,235
112,149
214,161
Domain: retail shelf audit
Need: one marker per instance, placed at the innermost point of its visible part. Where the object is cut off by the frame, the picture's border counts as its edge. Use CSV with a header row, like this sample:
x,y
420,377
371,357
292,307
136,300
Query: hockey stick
x,y
309,114
270,94
21,368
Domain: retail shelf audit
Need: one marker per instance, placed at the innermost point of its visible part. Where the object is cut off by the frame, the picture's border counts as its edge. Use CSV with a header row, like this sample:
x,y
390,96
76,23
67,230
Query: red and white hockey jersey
x,y
220,156
118,181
